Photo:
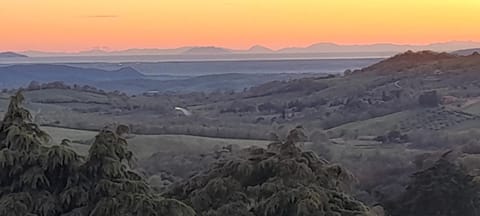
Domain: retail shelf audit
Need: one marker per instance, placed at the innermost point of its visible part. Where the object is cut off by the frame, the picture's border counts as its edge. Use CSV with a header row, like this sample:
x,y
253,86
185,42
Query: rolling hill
x,y
465,52
21,75
146,145
204,83
387,93
11,55
180,77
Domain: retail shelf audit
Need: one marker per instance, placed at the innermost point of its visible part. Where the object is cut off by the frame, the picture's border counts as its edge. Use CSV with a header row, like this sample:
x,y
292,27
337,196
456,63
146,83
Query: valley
x,y
239,108
382,122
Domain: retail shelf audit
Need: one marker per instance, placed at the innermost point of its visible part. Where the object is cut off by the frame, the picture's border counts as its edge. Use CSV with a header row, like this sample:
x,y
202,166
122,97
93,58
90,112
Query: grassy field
x,y
433,119
145,145
342,149
65,95
473,108
374,126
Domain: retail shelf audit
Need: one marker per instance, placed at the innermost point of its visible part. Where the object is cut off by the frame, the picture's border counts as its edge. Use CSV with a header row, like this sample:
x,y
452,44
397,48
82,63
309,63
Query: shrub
x,y
429,99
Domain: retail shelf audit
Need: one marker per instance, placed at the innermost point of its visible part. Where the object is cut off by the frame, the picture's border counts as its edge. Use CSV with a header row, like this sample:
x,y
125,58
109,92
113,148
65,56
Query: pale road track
x,y
397,84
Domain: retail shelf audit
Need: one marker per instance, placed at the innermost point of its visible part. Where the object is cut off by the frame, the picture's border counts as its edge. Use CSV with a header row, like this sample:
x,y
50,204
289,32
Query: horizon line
x,y
107,50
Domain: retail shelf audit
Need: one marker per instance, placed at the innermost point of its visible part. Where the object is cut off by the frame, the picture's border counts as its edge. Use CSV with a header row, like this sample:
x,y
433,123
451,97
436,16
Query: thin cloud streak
x,y
102,16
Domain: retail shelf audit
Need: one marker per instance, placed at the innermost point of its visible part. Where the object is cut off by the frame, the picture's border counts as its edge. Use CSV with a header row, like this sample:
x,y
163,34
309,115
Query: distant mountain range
x,y
11,55
386,48
206,50
382,47
259,49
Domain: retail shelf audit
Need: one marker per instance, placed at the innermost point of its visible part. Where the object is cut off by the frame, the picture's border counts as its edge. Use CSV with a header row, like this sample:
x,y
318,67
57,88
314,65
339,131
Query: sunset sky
x,y
73,25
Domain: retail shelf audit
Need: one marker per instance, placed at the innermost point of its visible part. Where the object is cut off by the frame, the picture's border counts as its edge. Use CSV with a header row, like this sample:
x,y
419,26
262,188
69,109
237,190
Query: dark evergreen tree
x,y
118,190
53,180
445,189
282,180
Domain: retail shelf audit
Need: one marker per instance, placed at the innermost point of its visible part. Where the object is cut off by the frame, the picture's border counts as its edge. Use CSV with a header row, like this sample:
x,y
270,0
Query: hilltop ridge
x,y
383,49
423,62
11,55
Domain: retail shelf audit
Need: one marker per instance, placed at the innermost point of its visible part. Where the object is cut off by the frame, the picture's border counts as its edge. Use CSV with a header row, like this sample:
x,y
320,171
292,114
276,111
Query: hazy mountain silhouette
x,y
11,55
95,52
385,48
259,49
206,50
380,47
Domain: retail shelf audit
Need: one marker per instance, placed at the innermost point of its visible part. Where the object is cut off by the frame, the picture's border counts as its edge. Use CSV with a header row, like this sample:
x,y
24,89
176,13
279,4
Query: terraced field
x,y
434,119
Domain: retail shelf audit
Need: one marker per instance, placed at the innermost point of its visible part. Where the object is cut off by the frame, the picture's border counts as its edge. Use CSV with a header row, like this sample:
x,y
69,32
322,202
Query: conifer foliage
x,y
281,180
444,189
53,180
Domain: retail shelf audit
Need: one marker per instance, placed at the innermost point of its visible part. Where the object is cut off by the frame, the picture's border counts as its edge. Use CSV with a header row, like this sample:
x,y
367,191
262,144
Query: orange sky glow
x,y
67,25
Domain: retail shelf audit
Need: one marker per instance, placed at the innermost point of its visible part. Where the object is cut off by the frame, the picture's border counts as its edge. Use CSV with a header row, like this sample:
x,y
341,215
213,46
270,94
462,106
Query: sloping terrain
x,y
466,52
204,83
384,123
408,60
183,77
146,145
432,119
385,96
11,55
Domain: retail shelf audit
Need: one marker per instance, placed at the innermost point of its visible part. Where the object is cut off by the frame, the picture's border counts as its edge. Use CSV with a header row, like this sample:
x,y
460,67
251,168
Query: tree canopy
x,y
443,189
37,178
281,180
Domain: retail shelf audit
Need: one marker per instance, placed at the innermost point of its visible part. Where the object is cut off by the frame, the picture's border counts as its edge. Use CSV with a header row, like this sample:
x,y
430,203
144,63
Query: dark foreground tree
x,y
52,180
118,190
281,180
445,189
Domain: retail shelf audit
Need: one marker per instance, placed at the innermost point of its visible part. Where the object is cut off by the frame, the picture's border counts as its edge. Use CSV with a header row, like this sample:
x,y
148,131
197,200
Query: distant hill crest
x,y
421,56
11,55
375,49
424,62
206,50
259,49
